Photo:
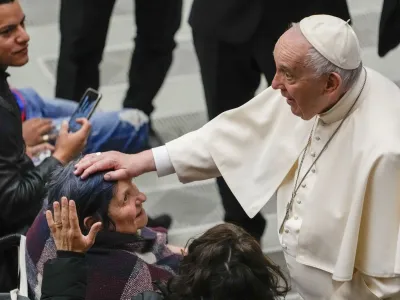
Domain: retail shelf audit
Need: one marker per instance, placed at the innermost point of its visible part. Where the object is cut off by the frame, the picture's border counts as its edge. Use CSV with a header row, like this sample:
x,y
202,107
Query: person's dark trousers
x,y
157,22
231,74
84,26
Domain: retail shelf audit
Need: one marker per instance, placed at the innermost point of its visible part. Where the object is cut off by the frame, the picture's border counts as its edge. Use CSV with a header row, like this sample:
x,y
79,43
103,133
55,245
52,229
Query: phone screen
x,y
85,109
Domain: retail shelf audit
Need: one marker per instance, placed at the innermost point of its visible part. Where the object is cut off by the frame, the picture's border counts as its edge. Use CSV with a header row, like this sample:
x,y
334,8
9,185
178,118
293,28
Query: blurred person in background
x,y
22,185
125,130
234,41
84,26
389,27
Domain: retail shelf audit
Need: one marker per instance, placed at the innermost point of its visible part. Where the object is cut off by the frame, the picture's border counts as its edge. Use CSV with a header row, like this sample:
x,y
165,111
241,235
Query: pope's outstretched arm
x,y
193,156
189,154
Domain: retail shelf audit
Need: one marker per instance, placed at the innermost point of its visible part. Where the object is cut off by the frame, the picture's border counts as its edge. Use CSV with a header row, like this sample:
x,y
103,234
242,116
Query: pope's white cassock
x,y
341,239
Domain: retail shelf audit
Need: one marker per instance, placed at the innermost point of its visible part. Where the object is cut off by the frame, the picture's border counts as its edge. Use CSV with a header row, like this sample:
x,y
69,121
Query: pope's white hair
x,y
322,66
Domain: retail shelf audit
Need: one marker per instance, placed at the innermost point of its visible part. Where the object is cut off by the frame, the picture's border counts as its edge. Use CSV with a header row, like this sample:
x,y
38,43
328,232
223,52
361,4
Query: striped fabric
x,y
120,265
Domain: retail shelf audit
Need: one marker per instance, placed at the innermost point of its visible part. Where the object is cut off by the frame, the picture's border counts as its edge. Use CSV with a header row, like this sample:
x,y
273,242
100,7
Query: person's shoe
x,y
163,221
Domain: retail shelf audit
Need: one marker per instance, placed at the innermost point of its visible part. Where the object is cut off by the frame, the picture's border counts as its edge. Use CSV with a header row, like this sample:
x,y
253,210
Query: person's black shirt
x,y
22,185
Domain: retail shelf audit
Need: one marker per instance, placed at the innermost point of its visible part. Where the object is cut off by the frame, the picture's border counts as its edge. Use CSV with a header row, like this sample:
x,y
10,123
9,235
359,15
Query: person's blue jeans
x,y
125,131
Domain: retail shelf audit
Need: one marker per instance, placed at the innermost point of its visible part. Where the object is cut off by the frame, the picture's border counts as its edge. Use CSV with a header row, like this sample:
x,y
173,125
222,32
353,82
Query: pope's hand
x,y
64,227
123,166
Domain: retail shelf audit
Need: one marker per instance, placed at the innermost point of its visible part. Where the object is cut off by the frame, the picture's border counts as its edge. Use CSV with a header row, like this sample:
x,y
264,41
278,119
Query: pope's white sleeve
x,y
163,162
190,157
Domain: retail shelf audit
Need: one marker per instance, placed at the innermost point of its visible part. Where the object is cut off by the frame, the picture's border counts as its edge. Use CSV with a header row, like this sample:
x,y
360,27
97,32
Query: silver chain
x,y
296,187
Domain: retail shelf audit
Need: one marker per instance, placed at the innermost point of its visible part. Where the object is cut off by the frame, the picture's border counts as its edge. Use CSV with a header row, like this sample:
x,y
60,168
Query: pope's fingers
x,y
86,162
83,160
121,174
100,165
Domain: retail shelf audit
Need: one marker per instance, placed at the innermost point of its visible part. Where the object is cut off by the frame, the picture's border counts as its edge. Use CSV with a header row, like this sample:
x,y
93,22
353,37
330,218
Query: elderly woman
x,y
224,263
127,257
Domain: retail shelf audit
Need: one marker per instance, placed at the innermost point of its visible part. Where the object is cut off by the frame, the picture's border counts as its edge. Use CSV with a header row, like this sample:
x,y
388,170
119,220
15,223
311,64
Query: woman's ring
x,y
45,138
98,153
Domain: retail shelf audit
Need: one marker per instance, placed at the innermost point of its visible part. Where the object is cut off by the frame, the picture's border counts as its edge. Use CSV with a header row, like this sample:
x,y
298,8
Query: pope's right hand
x,y
122,166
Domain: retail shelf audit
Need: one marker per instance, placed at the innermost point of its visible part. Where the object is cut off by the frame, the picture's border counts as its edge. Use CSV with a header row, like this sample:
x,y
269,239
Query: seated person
x,y
125,131
126,258
225,263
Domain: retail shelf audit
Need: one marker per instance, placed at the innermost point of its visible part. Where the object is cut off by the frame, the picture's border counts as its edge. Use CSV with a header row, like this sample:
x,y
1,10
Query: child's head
x,y
227,263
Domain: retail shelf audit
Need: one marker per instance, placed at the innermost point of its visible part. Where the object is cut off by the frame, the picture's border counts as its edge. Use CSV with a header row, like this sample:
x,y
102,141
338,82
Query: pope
x,y
326,138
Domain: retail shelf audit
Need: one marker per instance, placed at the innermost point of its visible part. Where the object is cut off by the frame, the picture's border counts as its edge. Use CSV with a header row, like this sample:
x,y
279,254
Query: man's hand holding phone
x,y
69,145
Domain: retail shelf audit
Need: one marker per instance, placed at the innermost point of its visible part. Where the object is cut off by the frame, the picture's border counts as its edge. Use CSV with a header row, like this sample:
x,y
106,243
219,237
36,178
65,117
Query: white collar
x,y
337,112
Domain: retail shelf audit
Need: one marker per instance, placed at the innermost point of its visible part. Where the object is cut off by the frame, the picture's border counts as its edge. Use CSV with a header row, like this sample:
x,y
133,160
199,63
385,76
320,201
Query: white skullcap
x,y
334,39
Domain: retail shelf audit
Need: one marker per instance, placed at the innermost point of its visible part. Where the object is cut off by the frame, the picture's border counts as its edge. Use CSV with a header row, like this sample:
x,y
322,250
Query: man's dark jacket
x,y
389,27
236,21
22,186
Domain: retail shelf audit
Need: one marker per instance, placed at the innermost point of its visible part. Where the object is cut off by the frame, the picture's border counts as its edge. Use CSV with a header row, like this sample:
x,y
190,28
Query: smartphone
x,y
85,109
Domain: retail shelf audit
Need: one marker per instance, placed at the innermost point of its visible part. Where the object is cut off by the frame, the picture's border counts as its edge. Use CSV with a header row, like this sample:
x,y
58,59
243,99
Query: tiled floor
x,y
179,105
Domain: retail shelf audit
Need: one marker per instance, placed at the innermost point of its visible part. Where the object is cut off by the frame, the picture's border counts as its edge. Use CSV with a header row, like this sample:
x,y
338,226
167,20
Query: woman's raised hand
x,y
64,227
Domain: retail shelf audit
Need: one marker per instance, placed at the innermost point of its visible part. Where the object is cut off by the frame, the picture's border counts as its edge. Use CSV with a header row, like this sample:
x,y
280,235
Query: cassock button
x,y
313,154
296,217
284,246
286,230
313,170
299,201
304,185
317,138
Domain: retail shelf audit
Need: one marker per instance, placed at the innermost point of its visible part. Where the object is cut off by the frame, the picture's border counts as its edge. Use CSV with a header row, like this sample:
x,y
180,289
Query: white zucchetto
x,y
334,38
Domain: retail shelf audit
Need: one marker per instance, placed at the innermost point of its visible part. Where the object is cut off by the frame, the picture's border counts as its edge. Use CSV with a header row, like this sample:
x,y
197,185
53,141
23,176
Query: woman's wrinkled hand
x,y
64,227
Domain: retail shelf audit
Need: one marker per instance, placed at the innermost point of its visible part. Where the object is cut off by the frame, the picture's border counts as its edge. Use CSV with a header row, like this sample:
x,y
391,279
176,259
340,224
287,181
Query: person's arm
x,y
190,163
22,190
190,157
190,160
223,145
22,185
65,278
162,161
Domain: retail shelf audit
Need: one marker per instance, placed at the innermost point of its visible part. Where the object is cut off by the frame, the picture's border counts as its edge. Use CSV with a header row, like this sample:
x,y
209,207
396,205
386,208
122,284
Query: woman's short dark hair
x,y
227,263
92,195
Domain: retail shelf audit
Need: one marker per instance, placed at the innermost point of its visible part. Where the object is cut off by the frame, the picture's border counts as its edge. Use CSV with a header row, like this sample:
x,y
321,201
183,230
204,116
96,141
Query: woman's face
x,y
126,209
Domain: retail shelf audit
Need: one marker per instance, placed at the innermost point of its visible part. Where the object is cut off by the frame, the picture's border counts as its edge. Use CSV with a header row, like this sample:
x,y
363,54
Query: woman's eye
x,y
126,197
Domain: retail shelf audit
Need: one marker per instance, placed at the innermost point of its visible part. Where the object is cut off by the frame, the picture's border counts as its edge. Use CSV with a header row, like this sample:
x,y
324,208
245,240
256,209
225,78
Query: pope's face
x,y
303,92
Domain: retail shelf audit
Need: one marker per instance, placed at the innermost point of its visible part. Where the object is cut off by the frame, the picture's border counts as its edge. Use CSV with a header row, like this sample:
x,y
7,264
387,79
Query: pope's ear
x,y
333,83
